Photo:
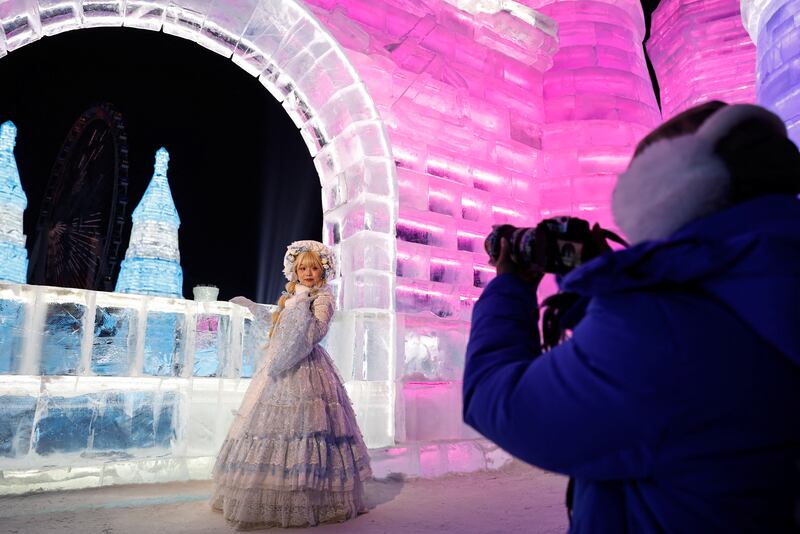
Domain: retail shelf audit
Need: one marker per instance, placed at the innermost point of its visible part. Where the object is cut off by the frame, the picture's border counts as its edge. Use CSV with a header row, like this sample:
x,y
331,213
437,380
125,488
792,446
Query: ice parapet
x,y
102,379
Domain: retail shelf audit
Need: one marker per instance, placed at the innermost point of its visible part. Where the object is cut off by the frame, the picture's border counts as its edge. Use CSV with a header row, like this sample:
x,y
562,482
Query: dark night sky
x,y
241,177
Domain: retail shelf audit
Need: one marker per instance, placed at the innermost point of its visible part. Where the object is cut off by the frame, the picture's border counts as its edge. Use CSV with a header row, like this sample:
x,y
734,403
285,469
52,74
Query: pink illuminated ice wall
x,y
774,25
460,91
599,102
701,51
497,111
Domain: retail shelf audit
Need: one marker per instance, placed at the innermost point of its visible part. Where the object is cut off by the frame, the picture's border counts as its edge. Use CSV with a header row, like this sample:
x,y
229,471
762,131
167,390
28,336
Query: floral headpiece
x,y
297,248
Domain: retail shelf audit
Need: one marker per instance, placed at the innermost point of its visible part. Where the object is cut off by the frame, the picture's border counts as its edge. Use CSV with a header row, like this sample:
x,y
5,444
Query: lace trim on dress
x,y
259,508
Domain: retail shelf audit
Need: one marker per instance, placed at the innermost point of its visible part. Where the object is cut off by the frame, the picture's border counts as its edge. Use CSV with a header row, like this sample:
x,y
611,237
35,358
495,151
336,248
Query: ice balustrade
x,y
99,382
459,87
701,51
774,26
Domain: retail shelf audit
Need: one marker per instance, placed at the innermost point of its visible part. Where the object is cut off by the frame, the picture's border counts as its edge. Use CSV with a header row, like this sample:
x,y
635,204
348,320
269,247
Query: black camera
x,y
555,245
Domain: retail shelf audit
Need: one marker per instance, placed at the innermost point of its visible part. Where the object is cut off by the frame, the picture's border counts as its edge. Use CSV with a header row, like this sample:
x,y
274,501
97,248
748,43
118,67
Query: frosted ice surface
x,y
256,338
64,423
12,314
211,339
20,21
58,16
61,338
433,349
114,340
145,14
16,423
163,343
375,416
102,13
432,411
154,419
100,424
224,24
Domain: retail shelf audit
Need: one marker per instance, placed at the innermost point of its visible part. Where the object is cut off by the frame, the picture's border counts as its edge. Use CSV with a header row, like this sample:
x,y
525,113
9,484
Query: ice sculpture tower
x,y
774,26
13,256
700,52
152,262
599,102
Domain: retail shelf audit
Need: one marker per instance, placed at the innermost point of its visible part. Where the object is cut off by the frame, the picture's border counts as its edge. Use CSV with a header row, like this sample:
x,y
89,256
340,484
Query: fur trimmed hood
x,y
675,181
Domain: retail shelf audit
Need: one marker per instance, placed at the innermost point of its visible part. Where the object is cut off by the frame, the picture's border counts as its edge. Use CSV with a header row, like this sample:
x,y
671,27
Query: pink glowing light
x,y
596,94
701,51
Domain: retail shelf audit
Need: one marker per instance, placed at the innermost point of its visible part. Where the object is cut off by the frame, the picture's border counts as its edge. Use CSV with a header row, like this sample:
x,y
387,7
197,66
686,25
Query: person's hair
x,y
760,159
310,257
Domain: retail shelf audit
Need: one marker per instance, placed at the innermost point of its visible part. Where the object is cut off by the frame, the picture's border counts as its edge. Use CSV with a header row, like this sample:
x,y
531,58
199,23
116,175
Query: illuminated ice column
x,y
13,256
152,262
458,85
700,52
599,102
774,26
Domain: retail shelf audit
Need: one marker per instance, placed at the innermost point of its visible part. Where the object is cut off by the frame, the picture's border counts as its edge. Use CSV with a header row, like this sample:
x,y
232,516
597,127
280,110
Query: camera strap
x,y
613,236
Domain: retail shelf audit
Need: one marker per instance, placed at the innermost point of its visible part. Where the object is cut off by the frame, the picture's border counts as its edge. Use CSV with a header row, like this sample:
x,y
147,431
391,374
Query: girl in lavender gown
x,y
294,455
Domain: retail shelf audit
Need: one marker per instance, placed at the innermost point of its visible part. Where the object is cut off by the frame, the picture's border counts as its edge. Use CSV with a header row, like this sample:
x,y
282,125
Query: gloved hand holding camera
x,y
555,245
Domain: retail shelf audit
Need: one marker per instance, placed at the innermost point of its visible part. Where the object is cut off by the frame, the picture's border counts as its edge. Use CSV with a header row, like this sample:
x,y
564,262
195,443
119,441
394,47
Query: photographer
x,y
675,404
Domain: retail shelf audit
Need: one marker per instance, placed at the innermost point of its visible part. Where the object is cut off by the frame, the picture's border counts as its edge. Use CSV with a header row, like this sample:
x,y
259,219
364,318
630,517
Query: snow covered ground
x,y
517,498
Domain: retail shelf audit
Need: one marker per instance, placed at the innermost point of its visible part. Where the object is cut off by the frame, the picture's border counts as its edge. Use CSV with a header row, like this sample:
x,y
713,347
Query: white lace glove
x,y
260,312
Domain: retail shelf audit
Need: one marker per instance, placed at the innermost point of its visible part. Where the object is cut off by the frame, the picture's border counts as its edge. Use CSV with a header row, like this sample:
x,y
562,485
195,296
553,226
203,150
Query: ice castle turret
x,y
13,256
152,263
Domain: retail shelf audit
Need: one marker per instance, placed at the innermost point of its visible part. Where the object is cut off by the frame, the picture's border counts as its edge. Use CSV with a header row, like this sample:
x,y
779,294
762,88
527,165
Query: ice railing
x,y
100,388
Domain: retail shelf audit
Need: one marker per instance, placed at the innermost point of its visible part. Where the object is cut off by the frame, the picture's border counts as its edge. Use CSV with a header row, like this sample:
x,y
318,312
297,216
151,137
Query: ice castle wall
x,y
459,88
599,101
774,26
701,51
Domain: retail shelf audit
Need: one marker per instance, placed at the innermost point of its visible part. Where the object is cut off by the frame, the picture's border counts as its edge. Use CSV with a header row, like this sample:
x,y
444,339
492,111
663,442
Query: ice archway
x,y
305,69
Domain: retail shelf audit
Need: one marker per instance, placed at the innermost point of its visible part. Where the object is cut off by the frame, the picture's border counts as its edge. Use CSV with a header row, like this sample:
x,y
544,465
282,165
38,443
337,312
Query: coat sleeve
x,y
292,338
300,328
322,308
592,407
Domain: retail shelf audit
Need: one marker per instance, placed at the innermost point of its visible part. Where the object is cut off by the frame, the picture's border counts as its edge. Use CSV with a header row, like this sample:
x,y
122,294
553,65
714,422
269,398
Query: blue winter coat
x,y
676,403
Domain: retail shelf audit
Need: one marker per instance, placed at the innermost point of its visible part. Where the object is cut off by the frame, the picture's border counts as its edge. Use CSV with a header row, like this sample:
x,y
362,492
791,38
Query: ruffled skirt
x,y
294,455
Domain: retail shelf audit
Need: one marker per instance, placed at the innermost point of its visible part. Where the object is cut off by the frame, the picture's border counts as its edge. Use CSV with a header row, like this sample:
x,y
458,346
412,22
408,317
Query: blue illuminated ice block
x,y
152,264
13,256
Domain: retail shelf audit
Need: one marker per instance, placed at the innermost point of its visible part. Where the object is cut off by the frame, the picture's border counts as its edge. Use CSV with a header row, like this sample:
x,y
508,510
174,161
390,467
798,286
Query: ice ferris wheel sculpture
x,y
152,263
13,256
84,207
